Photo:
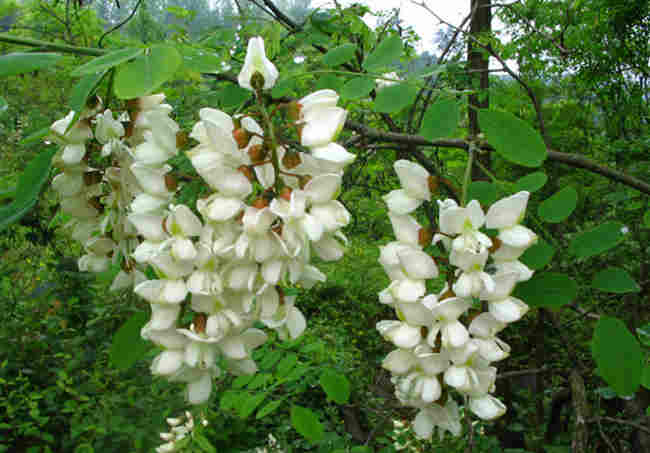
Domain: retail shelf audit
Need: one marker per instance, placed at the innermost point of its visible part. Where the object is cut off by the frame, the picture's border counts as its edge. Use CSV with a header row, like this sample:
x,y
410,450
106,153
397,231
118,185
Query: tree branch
x,y
4,37
112,29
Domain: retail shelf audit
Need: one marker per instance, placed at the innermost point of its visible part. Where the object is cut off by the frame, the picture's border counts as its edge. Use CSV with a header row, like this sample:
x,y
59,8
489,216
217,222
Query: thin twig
x,y
135,8
622,422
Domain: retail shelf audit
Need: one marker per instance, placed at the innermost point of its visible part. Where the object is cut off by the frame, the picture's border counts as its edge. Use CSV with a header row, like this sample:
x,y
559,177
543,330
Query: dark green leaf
x,y
644,334
233,96
250,404
646,219
618,355
598,240
283,88
80,92
270,359
147,72
361,449
615,280
286,364
559,206
28,189
306,423
339,55
483,191
105,62
645,376
440,120
19,63
203,443
268,409
35,137
329,81
200,60
336,386
260,380
394,98
232,399
128,346
549,289
357,88
538,256
385,54
242,381
513,139
532,182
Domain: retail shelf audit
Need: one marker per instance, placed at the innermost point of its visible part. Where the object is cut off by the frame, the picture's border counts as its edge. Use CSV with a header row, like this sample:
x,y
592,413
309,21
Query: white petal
x,y
198,391
417,264
296,323
508,211
414,179
399,361
487,407
508,310
518,236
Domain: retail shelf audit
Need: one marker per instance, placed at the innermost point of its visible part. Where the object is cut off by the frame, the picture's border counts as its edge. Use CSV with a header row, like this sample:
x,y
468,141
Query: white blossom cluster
x,y
446,341
180,428
221,268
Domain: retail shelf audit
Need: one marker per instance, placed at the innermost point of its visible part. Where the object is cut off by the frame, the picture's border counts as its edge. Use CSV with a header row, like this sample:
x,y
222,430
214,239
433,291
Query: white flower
x,y
257,63
415,182
505,216
445,418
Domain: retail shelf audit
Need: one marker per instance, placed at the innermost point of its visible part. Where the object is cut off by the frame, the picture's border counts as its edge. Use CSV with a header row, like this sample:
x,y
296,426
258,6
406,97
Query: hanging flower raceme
x,y
443,343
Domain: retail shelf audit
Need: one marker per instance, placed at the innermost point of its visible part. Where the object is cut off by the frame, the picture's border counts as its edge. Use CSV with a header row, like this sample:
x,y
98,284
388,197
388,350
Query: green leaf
x,y
231,399
357,88
559,206
538,256
597,240
645,376
512,138
483,191
270,359
286,364
336,386
646,219
200,60
80,93
618,355
260,380
268,409
147,72
19,63
283,88
386,53
361,449
644,334
549,289
339,55
203,443
615,280
107,61
35,137
394,98
329,81
250,404
28,189
3,105
532,182
440,120
242,381
232,96
306,423
128,346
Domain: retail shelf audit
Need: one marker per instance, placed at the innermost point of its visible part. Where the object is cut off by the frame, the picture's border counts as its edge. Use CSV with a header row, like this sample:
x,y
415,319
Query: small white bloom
x,y
257,63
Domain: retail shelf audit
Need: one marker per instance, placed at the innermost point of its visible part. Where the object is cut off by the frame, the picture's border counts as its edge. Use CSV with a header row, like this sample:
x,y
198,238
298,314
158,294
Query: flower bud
x,y
257,81
242,137
248,172
293,110
447,294
304,180
285,193
200,321
291,159
170,182
496,245
425,236
181,139
257,153
96,203
92,177
434,182
260,203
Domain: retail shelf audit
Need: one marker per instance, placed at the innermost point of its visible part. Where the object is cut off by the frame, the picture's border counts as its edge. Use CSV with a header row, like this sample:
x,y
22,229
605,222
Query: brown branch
x,y
573,160
622,422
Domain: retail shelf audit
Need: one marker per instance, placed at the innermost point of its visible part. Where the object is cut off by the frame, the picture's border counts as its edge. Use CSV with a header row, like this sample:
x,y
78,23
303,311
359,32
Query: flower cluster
x,y
216,270
446,337
180,428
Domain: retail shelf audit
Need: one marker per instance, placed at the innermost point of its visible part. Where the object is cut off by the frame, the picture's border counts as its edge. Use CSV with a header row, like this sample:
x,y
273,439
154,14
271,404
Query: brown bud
x,y
277,229
434,182
424,331
133,105
92,177
126,265
200,320
472,314
447,294
496,245
425,236
130,127
164,225
239,218
181,139
281,294
291,160
285,193
293,110
170,182
257,81
96,203
304,180
260,203
257,153
242,137
248,172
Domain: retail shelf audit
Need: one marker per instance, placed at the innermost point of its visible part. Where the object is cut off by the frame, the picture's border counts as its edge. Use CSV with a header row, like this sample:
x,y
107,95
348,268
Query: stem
x,y
51,46
468,173
274,144
484,169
